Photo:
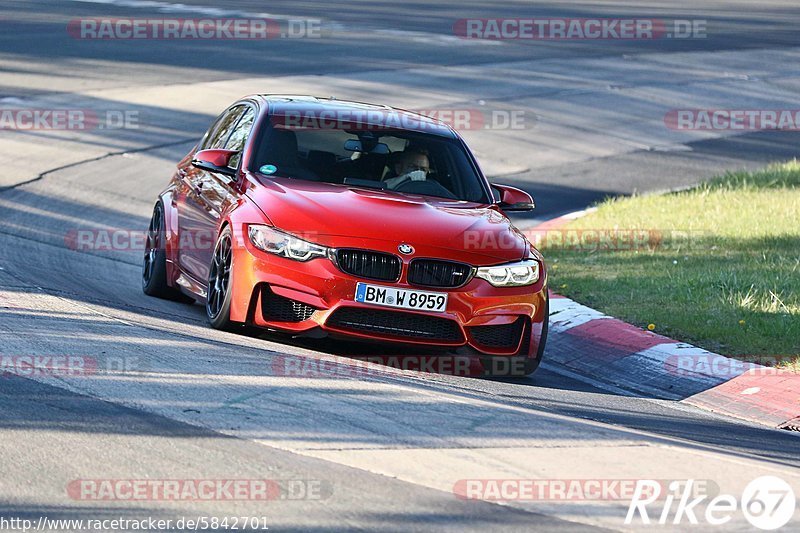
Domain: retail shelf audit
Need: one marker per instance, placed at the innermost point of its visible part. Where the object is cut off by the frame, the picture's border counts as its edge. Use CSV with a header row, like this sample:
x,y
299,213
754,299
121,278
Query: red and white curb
x,y
608,351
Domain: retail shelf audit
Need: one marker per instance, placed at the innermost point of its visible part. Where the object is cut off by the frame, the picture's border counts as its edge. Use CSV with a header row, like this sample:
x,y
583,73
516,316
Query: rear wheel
x,y
154,268
218,295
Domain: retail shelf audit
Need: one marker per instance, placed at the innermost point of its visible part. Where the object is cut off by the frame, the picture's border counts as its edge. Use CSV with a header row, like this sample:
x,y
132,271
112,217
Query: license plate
x,y
402,298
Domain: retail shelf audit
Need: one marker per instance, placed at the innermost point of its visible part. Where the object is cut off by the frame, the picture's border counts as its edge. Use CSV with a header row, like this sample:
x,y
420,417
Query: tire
x,y
154,267
518,366
218,293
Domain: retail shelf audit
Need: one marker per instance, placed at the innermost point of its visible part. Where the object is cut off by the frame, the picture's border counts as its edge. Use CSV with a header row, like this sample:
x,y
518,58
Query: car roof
x,y
313,105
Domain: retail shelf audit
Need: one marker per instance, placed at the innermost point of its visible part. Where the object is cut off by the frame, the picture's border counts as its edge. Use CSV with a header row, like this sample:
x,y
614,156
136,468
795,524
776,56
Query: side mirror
x,y
512,199
215,160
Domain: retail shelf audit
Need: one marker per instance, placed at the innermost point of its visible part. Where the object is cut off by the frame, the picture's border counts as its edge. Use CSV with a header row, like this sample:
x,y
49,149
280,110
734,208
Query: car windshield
x,y
398,160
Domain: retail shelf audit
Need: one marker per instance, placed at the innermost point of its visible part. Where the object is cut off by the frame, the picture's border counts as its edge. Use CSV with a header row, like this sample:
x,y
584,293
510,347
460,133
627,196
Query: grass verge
x,y
717,265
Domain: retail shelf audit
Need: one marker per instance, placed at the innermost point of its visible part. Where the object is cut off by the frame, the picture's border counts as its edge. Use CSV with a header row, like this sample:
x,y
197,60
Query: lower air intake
x,y
276,308
504,336
408,325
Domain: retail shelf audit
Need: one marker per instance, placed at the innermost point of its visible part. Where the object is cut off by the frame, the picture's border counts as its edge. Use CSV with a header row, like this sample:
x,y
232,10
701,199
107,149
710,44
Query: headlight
x,y
511,275
276,242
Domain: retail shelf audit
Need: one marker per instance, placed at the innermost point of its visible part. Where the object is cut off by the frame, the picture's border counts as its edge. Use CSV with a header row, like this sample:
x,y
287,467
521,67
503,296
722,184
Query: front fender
x,y
171,238
238,219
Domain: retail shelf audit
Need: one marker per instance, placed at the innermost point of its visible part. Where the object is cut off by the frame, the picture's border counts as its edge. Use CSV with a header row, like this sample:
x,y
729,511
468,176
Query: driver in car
x,y
411,165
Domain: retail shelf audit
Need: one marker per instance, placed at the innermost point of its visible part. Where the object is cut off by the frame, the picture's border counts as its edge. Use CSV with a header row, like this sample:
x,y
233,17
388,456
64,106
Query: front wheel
x,y
218,294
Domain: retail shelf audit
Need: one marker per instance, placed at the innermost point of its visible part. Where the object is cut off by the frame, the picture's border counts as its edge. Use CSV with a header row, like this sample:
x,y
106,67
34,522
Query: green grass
x,y
725,277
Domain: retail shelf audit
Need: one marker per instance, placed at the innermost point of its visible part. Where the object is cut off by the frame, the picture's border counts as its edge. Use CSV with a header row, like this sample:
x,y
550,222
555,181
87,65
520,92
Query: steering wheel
x,y
429,187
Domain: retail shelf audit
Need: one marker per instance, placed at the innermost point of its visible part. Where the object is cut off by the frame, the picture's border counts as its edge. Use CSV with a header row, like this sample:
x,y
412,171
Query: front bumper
x,y
308,297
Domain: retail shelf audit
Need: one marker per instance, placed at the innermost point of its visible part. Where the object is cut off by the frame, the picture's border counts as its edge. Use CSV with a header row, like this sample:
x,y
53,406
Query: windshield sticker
x,y
268,169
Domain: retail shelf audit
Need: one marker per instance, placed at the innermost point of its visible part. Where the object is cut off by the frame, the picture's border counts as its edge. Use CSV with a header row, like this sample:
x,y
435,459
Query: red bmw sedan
x,y
323,217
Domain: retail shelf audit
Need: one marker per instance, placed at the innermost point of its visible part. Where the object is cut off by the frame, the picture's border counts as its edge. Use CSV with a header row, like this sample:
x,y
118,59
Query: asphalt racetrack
x,y
383,449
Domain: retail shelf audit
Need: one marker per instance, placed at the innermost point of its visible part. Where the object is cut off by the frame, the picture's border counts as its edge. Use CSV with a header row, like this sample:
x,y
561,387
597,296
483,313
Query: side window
x,y
223,128
239,135
206,138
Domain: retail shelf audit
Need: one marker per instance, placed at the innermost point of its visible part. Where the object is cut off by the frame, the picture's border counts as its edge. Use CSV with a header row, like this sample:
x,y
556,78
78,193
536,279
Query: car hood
x,y
339,216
